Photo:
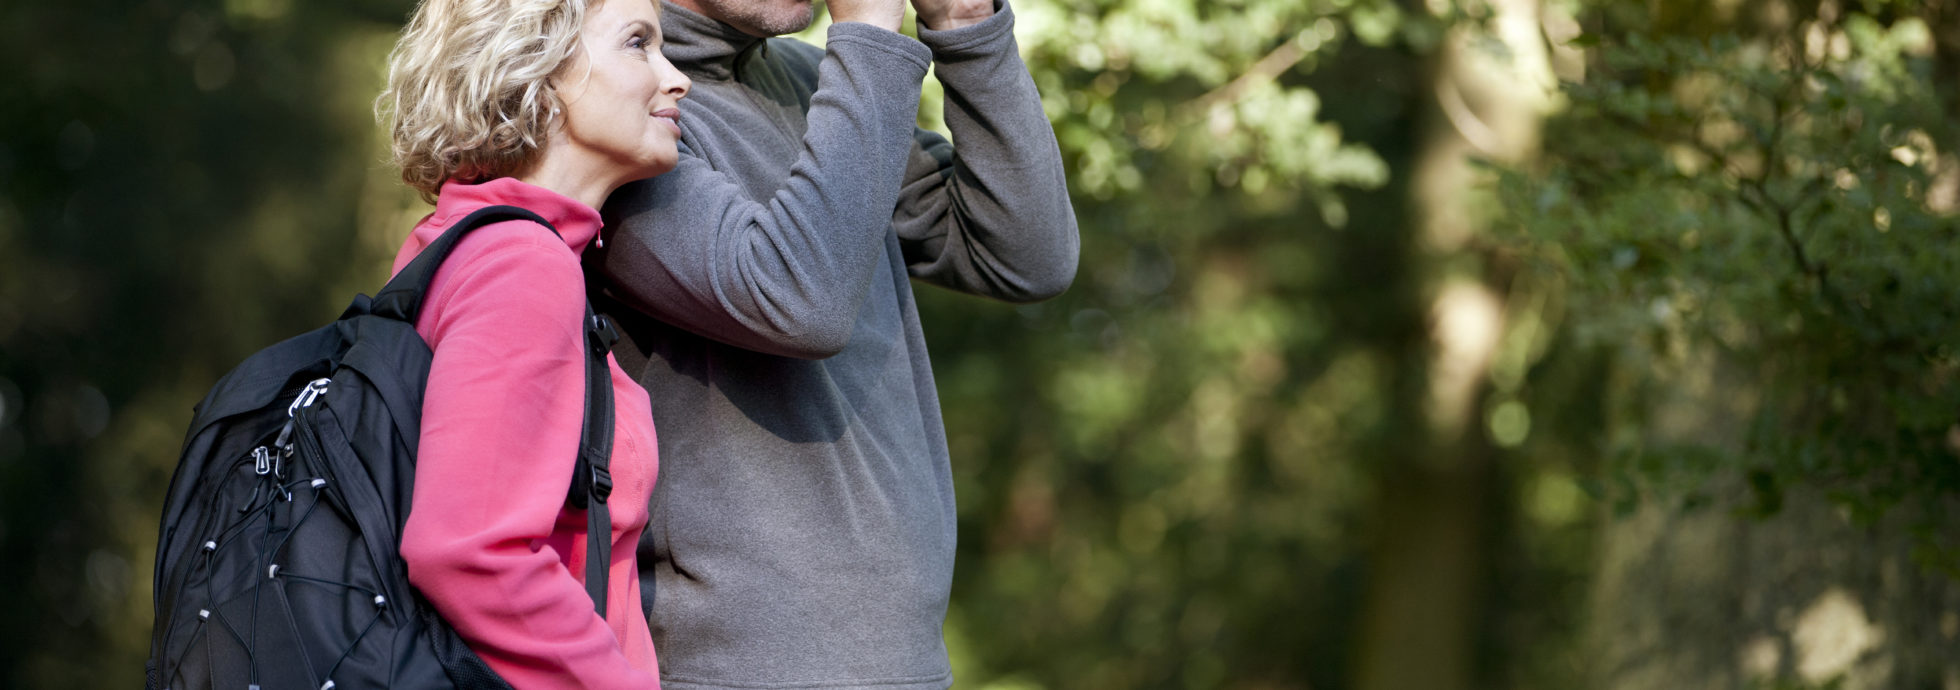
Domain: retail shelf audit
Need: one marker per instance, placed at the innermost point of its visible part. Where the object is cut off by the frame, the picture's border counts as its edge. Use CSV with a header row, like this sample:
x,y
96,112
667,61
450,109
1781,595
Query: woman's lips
x,y
671,116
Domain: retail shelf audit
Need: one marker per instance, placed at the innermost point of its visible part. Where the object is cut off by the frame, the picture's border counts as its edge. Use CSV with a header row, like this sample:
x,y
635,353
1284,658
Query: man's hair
x,y
469,91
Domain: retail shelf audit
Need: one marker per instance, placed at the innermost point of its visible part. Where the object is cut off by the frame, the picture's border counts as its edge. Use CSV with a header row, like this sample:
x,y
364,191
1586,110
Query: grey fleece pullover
x,y
803,524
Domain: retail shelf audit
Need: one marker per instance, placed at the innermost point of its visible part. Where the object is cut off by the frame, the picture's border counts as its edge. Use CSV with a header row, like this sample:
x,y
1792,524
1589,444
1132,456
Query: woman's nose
x,y
672,81
678,84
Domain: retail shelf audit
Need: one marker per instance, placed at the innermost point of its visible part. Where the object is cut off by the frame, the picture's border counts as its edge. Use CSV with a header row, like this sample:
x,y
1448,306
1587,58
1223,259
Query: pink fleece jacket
x,y
489,539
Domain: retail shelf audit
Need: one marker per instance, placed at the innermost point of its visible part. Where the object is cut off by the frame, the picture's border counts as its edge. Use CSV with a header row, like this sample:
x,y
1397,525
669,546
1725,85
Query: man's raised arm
x,y
991,217
784,275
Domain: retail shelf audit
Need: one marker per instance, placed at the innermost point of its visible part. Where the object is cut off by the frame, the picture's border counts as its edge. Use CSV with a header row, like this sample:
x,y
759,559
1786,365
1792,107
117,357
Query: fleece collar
x,y
575,222
701,47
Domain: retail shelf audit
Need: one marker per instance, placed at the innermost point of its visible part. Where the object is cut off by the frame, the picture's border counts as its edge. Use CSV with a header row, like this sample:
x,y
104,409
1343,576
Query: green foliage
x,y
1761,222
1160,472
1135,88
181,183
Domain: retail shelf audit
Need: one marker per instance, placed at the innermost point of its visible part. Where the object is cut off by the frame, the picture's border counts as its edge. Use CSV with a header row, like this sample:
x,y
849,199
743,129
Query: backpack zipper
x,y
269,459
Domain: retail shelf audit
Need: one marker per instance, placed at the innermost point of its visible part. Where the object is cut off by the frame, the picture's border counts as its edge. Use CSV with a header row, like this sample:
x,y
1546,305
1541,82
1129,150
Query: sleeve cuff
x,y
891,42
974,39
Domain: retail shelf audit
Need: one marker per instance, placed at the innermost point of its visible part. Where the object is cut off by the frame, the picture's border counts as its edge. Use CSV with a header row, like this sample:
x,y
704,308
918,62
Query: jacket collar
x,y
576,223
700,46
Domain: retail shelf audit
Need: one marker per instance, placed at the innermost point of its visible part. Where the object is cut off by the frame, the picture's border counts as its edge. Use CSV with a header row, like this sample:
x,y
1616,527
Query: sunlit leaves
x,y
1209,87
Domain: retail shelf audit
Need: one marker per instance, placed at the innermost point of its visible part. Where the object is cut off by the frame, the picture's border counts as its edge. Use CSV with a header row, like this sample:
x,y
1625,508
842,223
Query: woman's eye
x,y
637,42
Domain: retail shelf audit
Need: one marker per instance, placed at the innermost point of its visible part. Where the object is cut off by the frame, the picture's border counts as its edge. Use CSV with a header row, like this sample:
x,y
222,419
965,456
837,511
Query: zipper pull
x,y
313,391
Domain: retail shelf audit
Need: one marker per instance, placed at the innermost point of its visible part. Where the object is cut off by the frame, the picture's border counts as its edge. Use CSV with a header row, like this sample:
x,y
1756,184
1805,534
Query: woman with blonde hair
x,y
546,105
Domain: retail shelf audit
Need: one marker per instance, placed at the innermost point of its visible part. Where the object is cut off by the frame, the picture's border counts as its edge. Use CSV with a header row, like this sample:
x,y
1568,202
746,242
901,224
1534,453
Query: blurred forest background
x,y
1427,344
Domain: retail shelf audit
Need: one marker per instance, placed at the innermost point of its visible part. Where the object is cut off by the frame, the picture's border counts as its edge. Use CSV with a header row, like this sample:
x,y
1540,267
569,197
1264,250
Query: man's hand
x,y
884,14
943,15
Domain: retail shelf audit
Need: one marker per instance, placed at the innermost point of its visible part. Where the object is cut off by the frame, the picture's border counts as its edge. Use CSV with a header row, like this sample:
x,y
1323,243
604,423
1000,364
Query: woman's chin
x,y
651,168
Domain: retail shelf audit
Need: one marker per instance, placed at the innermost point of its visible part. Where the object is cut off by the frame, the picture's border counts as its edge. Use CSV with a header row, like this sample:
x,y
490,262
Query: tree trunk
x,y
1429,569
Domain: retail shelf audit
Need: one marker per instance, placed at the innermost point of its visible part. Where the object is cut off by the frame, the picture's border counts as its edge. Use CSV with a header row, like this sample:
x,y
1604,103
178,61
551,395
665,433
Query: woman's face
x,y
621,96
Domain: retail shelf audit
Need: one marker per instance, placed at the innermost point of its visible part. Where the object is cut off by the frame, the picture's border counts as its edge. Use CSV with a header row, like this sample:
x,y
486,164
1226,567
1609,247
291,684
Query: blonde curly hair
x,y
469,91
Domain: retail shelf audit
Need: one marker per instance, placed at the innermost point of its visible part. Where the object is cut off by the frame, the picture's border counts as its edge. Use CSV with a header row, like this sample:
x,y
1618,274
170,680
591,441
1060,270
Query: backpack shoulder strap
x,y
592,478
401,298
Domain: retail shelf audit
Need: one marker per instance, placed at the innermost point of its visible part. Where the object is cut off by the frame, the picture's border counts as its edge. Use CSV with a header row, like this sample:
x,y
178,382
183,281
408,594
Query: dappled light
x,y
1831,634
1445,344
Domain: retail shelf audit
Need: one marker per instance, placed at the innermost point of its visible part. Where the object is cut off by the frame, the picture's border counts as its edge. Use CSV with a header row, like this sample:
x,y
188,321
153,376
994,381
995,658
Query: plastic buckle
x,y
602,484
603,333
262,460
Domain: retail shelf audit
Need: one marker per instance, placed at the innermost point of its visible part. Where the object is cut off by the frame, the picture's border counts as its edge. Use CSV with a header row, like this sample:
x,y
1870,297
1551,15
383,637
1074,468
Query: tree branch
x,y
1784,209
1266,69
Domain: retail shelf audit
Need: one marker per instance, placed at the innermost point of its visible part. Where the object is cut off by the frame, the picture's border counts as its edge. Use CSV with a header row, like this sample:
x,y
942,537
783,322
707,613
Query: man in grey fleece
x,y
803,524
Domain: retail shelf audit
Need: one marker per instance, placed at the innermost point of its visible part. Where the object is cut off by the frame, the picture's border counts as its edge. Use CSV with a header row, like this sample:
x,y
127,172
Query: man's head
x,y
757,17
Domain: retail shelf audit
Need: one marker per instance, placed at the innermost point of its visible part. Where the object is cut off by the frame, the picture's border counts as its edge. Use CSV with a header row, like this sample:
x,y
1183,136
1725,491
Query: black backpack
x,y
278,559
